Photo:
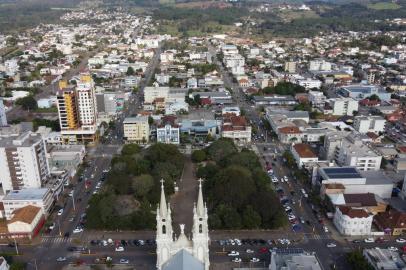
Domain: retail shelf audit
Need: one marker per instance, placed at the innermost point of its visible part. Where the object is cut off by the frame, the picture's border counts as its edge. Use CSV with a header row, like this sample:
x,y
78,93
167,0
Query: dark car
x,y
356,241
66,235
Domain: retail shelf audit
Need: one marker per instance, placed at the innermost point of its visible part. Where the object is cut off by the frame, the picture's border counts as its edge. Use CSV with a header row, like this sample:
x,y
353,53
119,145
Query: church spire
x,y
163,210
200,205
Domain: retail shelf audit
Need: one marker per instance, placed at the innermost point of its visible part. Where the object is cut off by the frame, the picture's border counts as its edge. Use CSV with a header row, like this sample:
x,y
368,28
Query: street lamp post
x,y
15,244
73,200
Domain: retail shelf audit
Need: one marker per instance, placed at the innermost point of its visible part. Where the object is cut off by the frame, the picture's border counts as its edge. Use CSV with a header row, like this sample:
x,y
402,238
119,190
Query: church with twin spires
x,y
181,252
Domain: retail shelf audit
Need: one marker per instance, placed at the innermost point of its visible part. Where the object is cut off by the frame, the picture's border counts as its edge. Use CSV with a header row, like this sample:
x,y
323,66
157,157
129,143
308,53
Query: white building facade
x,y
168,134
365,124
349,221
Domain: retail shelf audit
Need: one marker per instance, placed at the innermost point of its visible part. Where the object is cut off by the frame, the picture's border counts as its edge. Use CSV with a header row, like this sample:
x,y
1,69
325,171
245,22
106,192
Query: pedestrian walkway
x,y
56,240
311,236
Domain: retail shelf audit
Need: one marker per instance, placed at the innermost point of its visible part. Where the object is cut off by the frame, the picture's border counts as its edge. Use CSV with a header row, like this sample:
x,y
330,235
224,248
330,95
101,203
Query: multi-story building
x,y
77,108
237,129
319,65
352,221
293,259
3,118
343,106
23,162
352,151
16,199
317,99
168,134
309,83
151,93
303,154
363,91
384,259
290,67
365,124
136,129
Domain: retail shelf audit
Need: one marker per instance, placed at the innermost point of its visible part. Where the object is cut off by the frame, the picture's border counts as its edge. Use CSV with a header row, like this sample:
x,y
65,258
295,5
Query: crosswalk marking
x,y
56,240
317,236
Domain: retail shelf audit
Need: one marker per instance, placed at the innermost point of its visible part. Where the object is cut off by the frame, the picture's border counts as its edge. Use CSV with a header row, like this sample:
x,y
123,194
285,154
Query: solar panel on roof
x,y
342,172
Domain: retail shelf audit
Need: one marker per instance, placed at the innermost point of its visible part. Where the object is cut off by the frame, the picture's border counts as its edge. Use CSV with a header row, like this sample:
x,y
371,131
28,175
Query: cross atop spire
x,y
200,205
163,211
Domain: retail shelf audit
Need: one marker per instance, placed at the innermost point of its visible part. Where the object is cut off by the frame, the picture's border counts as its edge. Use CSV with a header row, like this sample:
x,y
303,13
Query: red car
x,y
263,250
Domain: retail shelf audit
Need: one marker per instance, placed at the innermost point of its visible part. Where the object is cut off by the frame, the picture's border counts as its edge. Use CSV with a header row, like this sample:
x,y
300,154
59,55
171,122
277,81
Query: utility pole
x,y
15,244
73,200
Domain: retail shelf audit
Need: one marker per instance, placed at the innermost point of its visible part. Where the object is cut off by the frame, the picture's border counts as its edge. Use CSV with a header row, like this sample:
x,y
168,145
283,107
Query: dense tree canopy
x,y
238,190
133,183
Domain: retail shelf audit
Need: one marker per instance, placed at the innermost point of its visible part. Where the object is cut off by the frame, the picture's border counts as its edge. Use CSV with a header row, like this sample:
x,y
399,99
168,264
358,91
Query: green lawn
x,y
384,5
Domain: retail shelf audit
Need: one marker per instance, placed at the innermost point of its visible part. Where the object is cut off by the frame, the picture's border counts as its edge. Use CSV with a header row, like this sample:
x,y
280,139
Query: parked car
x,y
120,248
331,245
60,212
400,240
254,260
124,261
369,240
233,253
236,260
61,259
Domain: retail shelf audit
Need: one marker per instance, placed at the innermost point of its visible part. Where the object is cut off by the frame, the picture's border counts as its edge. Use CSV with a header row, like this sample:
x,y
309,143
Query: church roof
x,y
183,260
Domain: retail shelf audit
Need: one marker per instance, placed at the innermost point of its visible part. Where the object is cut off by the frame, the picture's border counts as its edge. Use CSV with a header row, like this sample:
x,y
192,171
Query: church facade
x,y
177,253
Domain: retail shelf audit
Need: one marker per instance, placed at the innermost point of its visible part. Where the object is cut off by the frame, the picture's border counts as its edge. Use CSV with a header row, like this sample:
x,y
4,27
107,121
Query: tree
x,y
28,103
199,156
197,99
374,97
357,261
130,149
221,149
150,120
142,185
17,266
130,71
250,218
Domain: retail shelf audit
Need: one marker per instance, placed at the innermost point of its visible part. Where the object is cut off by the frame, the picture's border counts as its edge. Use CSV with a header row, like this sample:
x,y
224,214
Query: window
x,y
200,228
163,229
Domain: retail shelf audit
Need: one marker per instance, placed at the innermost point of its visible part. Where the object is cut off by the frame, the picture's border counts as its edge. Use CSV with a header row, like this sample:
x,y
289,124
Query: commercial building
x,y
391,222
16,199
352,221
274,100
293,259
153,92
365,124
23,162
354,181
26,222
364,91
77,109
3,118
384,259
303,153
200,128
236,128
309,83
136,129
319,65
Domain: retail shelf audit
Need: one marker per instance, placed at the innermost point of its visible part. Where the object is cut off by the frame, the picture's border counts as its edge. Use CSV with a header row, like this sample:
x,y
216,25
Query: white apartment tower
x,y
23,162
3,118
77,108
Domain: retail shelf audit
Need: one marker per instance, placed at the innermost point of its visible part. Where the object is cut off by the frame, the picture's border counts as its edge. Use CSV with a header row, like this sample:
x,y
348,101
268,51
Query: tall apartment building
x,y
136,129
23,162
3,118
365,124
77,110
317,98
354,152
290,67
344,106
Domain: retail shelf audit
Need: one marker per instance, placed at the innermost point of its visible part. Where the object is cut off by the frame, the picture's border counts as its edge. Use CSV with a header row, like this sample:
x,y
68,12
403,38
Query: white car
x,y
291,217
61,259
71,193
254,260
77,230
52,226
119,248
236,260
233,253
331,245
238,242
325,229
275,180
249,251
124,261
287,208
60,212
285,178
369,240
393,248
400,240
